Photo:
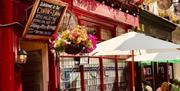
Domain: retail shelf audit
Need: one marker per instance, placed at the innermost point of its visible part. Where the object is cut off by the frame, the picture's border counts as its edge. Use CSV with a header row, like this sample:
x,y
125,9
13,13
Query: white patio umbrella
x,y
133,41
158,57
136,52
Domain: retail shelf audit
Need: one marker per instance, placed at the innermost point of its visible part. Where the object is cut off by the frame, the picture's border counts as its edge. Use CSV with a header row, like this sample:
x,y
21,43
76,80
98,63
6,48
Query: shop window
x,y
91,30
105,34
119,30
69,21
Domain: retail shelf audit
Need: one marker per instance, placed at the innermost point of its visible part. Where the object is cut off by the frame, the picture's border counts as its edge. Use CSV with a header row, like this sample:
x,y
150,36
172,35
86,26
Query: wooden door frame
x,y
34,45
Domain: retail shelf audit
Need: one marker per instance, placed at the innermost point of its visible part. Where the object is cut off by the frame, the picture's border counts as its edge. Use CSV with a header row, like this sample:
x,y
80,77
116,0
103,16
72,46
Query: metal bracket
x,y
11,24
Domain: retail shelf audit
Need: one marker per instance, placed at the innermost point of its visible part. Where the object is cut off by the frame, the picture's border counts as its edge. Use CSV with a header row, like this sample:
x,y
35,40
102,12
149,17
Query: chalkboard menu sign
x,y
44,19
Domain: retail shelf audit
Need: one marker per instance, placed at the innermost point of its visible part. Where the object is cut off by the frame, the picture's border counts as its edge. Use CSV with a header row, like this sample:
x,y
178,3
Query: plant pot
x,y
73,49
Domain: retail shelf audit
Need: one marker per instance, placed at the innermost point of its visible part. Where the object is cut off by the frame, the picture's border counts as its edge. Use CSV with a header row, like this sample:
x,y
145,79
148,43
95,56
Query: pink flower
x,y
51,45
89,49
93,39
65,43
54,36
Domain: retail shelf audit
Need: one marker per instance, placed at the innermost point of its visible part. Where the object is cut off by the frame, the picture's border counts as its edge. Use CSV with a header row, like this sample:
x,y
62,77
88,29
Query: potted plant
x,y
74,41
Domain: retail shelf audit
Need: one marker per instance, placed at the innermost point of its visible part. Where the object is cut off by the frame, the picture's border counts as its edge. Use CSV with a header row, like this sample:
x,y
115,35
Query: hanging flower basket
x,y
73,49
73,41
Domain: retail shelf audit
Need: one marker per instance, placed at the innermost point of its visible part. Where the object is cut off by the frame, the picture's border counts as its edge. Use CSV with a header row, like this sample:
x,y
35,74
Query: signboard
x,y
44,19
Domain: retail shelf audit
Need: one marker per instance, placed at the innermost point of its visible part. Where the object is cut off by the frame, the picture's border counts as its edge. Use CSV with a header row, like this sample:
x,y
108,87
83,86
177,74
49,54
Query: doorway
x,y
35,75
32,72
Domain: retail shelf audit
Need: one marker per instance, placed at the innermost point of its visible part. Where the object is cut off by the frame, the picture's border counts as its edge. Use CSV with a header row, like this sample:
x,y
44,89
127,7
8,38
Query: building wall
x,y
103,27
0,46
176,39
156,30
0,54
176,36
7,46
11,79
162,29
176,71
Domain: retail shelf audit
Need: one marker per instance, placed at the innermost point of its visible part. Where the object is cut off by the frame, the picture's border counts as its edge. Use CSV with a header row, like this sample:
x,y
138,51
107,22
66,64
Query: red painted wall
x,y
10,80
17,73
53,80
7,63
14,10
0,55
0,46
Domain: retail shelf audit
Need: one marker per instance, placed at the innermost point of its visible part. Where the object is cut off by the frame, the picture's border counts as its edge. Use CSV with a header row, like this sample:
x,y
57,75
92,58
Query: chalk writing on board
x,y
45,18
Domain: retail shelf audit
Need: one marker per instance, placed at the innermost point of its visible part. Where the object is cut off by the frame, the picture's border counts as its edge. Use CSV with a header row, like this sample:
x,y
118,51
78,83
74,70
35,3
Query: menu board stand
x,y
44,19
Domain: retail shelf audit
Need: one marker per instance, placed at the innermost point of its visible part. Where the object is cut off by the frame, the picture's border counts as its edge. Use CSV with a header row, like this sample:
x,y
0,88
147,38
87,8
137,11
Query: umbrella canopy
x,y
136,52
133,41
111,53
172,57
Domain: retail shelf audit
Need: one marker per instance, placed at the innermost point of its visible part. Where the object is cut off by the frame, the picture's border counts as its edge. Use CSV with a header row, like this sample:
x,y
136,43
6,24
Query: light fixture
x,y
134,14
175,1
176,4
112,5
124,6
127,11
103,2
76,61
21,57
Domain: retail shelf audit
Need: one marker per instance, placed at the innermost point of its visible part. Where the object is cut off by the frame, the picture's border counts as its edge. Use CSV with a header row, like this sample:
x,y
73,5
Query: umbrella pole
x,y
167,67
132,70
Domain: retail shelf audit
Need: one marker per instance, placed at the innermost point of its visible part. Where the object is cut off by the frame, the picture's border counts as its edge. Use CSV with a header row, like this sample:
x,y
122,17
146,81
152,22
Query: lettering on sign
x,y
44,19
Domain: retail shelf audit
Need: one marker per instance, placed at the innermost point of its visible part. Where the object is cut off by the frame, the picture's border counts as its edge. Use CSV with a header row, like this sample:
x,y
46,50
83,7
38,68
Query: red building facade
x,y
11,41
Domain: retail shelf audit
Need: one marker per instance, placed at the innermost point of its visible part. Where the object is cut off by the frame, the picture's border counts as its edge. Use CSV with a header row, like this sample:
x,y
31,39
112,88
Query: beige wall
x,y
157,31
176,39
176,71
176,35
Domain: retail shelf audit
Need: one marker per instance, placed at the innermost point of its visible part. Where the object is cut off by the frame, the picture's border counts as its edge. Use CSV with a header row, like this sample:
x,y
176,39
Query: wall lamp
x,y
21,56
21,59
